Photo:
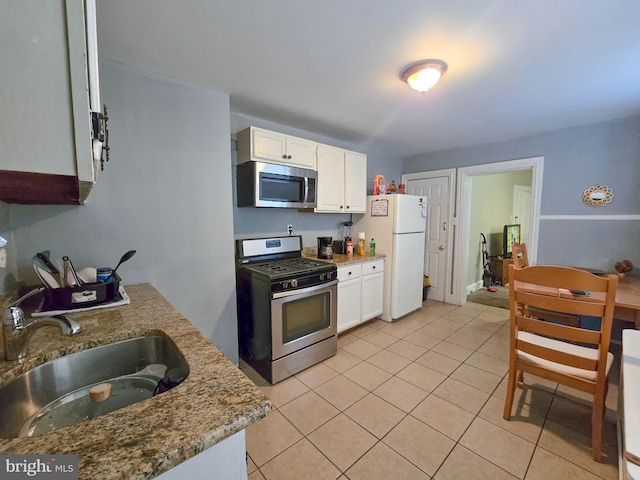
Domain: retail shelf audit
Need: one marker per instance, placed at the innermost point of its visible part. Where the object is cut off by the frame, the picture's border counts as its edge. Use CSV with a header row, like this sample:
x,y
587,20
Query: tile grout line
x,y
428,393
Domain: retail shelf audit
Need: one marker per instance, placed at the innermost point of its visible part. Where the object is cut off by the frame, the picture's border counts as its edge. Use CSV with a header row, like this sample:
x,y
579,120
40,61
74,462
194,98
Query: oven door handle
x,y
304,290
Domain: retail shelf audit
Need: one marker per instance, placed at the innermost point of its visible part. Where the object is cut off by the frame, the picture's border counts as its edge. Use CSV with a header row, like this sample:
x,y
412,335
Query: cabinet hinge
x,y
100,132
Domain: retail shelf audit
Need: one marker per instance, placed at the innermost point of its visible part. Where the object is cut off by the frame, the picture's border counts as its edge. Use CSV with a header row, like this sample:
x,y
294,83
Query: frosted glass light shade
x,y
424,75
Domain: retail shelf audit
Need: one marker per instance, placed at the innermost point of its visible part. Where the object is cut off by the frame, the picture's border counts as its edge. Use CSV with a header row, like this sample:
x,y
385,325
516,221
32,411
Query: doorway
x,y
465,235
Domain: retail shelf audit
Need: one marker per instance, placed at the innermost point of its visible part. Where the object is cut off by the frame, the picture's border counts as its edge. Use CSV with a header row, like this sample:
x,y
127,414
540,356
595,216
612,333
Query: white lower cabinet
x,y
372,289
226,460
349,296
360,291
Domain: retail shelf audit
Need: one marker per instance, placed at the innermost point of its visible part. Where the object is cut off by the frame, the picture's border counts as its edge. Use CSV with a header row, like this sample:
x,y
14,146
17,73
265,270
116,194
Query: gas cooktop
x,y
289,267
279,258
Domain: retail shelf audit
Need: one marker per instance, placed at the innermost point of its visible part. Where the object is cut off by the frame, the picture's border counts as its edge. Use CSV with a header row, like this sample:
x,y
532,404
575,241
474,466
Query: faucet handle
x,y
67,325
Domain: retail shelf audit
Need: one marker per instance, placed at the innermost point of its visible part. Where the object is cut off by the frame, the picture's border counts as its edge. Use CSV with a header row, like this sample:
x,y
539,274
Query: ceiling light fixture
x,y
423,75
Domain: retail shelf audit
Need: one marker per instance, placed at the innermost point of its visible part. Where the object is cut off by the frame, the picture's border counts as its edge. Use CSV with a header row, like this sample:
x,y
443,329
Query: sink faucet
x,y
16,331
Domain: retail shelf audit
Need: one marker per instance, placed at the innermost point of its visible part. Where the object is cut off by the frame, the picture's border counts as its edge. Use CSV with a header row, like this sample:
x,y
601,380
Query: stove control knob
x,y
322,277
294,283
285,285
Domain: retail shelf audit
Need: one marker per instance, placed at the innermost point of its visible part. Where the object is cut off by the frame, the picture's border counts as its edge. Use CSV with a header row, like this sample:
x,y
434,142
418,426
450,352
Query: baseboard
x,y
474,287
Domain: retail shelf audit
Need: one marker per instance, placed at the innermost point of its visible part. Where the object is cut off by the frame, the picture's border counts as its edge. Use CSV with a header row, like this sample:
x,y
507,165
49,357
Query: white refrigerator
x,y
397,223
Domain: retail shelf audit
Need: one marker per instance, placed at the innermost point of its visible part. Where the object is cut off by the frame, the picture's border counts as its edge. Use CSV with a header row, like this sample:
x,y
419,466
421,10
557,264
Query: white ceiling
x,y
516,67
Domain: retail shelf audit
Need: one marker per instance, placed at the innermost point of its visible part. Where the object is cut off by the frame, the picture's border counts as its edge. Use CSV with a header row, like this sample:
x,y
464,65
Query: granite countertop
x,y
339,259
150,437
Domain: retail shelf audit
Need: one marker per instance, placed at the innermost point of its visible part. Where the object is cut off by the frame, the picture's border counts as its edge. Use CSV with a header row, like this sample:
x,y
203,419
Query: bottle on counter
x,y
349,247
392,188
372,247
361,244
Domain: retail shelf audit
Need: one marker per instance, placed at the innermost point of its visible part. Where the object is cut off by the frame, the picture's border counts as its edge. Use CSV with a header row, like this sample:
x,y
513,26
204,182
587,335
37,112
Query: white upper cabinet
x,y
355,182
330,188
342,181
342,174
48,154
257,144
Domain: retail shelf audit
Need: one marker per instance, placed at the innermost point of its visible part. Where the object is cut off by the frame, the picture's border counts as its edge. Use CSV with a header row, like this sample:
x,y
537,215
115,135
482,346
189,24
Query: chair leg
x,y
596,427
511,387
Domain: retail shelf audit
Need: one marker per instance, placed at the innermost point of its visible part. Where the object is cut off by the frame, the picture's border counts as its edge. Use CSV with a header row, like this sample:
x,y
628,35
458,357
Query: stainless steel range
x,y
287,313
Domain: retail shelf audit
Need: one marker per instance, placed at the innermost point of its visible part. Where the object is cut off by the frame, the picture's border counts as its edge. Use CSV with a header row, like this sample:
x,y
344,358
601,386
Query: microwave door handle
x,y
306,189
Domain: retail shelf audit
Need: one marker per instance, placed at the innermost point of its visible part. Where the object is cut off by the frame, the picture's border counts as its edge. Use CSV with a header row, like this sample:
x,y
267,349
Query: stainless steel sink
x,y
56,394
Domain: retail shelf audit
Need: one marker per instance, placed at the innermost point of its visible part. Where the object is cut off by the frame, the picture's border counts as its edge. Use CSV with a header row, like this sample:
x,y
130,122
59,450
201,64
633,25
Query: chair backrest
x,y
548,288
520,258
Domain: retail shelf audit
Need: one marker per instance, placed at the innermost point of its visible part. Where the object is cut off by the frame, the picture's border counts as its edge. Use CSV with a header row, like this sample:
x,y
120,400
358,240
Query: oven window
x,y
281,188
304,316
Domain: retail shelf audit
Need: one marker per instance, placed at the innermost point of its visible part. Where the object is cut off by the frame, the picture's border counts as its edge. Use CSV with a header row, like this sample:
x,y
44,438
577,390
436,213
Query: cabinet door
x,y
301,153
268,146
45,142
348,304
330,189
372,293
355,178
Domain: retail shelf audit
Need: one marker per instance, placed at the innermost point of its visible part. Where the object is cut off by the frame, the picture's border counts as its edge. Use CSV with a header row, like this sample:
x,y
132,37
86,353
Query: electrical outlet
x,y
290,229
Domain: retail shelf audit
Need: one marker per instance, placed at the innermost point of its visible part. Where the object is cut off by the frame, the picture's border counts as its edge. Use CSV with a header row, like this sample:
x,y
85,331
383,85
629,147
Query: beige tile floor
x,y
422,398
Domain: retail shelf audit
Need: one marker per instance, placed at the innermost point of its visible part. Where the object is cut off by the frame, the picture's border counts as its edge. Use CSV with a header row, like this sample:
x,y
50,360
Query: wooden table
x,y
628,299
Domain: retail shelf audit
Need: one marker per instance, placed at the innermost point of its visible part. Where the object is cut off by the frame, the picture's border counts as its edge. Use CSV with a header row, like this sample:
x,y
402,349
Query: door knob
x,y
441,247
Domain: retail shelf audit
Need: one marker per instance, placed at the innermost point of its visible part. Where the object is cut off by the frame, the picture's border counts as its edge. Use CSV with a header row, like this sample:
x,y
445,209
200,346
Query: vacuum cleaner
x,y
486,274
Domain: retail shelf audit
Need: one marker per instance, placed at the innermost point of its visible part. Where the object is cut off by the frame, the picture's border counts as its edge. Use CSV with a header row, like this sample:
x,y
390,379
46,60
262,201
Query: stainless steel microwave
x,y
268,185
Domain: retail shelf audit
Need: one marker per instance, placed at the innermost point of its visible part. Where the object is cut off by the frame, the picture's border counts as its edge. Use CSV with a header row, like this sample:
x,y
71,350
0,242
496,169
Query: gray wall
x,y
606,153
257,222
166,193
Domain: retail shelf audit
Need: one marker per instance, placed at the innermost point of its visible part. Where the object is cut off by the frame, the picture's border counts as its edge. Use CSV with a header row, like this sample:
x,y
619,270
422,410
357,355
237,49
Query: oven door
x,y
300,318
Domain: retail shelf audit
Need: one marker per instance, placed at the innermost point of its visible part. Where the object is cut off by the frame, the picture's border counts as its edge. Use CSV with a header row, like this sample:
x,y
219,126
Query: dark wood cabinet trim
x,y
38,188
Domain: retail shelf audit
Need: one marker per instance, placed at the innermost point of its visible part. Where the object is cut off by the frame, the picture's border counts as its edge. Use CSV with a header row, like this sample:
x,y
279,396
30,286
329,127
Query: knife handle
x,y
70,275
48,263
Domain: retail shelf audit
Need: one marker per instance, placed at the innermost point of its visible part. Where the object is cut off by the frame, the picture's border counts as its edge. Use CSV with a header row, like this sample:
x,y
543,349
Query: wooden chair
x,y
520,258
544,349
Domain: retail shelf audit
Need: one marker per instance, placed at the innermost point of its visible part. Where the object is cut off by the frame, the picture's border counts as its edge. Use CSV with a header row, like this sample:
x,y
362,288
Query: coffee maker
x,y
344,235
325,249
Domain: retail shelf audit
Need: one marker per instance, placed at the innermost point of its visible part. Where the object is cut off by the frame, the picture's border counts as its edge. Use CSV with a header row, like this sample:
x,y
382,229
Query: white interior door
x,y
522,210
435,259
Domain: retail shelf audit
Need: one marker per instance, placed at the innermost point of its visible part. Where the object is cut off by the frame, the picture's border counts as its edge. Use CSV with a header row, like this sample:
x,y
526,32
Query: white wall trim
x,y
474,287
464,211
449,172
623,218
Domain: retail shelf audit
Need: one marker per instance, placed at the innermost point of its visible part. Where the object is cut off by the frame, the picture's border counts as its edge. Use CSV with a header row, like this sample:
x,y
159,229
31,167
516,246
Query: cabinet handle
x,y
340,207
349,273
288,157
374,267
284,157
347,207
